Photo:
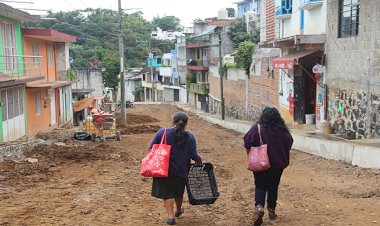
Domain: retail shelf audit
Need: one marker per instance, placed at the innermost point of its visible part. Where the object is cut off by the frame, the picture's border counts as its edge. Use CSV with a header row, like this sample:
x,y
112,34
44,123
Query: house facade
x,y
49,100
202,79
16,69
181,67
300,34
170,35
161,80
353,68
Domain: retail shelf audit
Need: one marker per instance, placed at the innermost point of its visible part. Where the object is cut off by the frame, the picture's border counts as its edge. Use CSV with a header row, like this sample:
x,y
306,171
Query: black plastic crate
x,y
201,185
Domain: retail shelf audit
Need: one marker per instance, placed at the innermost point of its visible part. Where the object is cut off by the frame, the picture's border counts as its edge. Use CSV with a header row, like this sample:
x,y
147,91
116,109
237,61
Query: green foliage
x,y
189,79
231,12
243,56
71,75
99,28
227,66
97,32
167,23
198,20
110,61
138,89
238,32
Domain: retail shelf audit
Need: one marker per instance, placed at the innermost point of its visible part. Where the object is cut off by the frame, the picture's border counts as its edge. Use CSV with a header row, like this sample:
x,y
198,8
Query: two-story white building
x,y
300,34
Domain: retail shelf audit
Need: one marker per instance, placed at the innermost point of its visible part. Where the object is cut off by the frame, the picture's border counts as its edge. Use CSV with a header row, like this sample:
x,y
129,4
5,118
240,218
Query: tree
x,y
136,28
243,56
110,62
167,23
231,12
238,32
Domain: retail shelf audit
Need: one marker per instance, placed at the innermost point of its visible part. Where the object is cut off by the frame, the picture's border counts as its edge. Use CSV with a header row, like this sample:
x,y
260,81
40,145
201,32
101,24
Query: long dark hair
x,y
180,122
271,118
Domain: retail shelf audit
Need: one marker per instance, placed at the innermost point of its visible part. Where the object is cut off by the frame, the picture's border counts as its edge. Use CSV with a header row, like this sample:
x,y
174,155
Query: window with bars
x,y
348,18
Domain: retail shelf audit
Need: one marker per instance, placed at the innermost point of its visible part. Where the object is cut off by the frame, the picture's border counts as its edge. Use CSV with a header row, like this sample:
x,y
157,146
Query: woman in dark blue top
x,y
183,150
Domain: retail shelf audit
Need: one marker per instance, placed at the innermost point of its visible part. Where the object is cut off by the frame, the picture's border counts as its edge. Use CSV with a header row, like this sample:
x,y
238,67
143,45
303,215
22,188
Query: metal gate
x,y
13,116
176,95
299,96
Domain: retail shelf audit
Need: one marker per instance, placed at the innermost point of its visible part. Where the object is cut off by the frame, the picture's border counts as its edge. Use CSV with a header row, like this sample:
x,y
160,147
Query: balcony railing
x,y
198,65
200,88
309,4
21,67
284,10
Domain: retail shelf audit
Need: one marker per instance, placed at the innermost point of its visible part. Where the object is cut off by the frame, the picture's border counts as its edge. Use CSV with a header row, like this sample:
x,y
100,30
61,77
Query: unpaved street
x,y
85,183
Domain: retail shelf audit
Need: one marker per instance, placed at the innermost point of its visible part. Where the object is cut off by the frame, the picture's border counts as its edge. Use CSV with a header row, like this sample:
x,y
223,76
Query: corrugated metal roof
x,y
208,30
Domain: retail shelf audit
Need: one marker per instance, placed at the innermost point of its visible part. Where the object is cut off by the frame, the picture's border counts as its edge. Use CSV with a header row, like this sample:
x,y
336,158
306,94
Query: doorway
x,y
304,90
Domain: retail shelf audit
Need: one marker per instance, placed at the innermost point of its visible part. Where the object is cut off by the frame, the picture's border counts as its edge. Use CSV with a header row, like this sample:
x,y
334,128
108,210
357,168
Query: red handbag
x,y
156,162
258,159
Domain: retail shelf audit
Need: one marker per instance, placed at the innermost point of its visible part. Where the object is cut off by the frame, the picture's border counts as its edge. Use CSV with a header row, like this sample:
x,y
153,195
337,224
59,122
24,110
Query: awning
x,y
288,62
55,84
82,104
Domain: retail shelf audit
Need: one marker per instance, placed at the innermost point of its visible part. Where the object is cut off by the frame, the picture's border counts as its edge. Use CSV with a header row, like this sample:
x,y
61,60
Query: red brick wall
x,y
263,89
270,24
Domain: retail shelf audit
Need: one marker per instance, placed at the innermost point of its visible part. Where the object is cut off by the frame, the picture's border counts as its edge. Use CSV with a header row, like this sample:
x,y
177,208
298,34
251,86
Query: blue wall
x,y
242,8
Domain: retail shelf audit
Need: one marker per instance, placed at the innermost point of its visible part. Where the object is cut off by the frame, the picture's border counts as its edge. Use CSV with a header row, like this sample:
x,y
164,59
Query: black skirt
x,y
168,187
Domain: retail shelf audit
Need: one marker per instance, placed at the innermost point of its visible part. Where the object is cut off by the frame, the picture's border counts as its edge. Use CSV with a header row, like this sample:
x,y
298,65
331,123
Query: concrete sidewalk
x,y
362,153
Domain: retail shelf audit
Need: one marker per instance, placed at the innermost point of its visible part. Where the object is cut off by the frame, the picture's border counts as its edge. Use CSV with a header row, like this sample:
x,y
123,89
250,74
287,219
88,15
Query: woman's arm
x,y
193,150
250,138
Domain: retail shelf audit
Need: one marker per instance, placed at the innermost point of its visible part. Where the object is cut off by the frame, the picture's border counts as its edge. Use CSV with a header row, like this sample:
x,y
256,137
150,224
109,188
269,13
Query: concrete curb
x,y
357,155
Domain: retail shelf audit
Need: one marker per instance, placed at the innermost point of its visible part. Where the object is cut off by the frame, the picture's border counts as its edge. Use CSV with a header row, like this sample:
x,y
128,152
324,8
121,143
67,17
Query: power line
x,y
93,23
108,32
84,4
16,1
70,4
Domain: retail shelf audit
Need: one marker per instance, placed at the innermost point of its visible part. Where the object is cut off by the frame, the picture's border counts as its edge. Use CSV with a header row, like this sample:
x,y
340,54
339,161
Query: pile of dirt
x,y
48,156
58,135
139,129
134,119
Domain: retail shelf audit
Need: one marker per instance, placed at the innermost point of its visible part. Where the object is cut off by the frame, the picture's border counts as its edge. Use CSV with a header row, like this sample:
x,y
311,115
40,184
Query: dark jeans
x,y
267,182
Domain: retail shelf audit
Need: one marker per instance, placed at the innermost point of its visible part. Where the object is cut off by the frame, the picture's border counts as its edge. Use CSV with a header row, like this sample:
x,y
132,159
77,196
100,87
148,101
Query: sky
x,y
186,11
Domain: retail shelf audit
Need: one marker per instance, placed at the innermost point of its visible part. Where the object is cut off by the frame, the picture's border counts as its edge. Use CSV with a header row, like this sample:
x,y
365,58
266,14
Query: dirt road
x,y
85,183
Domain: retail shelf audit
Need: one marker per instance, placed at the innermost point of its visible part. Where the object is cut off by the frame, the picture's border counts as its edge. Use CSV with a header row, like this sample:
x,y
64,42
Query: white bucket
x,y
310,119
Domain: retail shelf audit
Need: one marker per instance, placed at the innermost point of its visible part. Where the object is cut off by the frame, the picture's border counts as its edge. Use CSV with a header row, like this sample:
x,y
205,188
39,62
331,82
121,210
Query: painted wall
x,y
291,26
90,79
48,71
183,95
314,21
244,7
353,74
62,58
40,122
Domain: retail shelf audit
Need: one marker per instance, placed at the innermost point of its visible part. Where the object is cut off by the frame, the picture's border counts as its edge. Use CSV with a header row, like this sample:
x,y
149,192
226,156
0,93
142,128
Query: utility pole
x,y
221,75
122,75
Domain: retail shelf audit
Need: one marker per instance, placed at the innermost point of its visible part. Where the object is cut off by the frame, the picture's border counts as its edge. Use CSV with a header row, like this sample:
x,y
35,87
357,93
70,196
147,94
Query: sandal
x,y
171,221
179,213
